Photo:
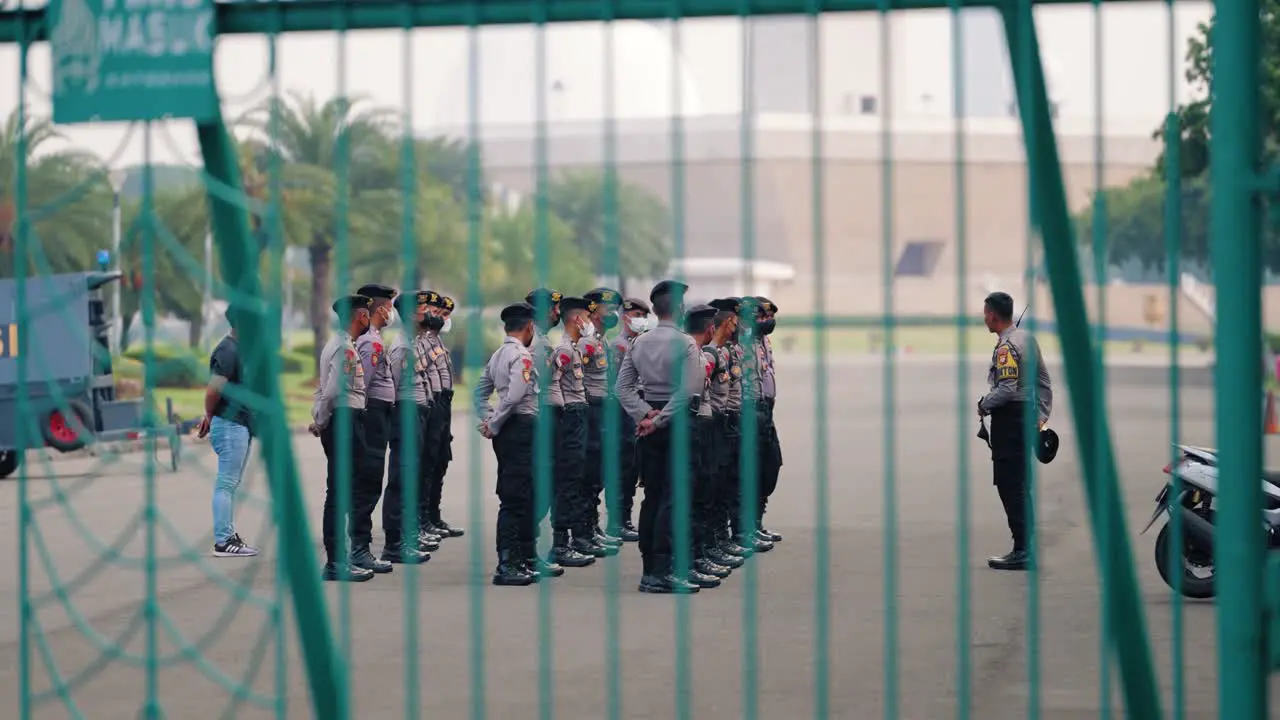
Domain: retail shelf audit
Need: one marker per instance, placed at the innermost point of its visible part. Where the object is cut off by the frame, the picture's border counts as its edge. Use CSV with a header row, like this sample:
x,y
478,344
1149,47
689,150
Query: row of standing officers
x,y
681,386
681,381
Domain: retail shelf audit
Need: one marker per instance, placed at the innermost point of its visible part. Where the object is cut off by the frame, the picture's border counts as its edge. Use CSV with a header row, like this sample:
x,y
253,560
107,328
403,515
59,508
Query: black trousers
x,y
442,410
428,458
593,468
628,473
705,458
728,490
657,511
769,451
569,497
377,432
354,421
403,447
514,448
1009,470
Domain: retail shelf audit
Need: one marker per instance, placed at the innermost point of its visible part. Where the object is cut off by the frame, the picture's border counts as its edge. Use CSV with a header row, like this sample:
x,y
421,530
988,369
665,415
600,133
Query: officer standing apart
x,y
568,396
511,373
379,413
668,364
440,307
413,393
1006,405
770,445
635,316
603,310
341,392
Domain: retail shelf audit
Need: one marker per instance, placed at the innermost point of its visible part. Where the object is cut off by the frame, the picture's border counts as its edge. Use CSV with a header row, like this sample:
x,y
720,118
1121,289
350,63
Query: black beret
x,y
377,292
604,296
517,311
546,295
408,303
751,304
700,311
729,304
1047,449
667,287
435,299
446,302
633,304
575,303
351,303
767,304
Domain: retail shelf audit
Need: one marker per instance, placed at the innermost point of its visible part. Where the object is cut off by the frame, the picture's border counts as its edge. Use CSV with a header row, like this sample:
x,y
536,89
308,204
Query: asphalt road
x,y
556,636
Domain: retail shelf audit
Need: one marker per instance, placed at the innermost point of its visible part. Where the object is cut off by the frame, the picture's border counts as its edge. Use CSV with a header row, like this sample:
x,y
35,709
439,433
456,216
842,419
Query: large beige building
x,y
911,207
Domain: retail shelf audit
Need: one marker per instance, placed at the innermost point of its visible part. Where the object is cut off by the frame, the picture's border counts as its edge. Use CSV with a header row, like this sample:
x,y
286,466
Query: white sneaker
x,y
234,547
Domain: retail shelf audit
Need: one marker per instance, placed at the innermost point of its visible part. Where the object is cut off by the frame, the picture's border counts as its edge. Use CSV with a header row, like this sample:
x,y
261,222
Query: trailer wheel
x,y
70,430
9,461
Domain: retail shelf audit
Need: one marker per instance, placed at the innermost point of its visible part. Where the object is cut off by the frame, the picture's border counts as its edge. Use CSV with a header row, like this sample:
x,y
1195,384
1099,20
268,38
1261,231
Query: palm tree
x,y
316,140
68,199
440,235
582,199
177,225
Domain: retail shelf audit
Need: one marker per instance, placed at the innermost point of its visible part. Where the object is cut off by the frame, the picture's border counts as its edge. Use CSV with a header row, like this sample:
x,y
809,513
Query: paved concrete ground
x,y
453,604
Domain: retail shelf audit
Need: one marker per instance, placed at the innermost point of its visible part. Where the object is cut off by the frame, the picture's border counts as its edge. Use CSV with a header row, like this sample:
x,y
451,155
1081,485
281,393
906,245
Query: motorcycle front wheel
x,y
1195,564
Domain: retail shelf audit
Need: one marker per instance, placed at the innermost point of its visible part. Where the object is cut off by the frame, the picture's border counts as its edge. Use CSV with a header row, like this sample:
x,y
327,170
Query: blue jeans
x,y
231,443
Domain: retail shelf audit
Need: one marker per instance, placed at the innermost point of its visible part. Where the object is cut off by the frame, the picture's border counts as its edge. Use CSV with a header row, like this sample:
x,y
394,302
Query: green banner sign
x,y
117,60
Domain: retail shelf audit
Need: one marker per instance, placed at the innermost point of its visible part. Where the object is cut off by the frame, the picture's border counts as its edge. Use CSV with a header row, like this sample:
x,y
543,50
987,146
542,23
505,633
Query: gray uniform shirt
x,y
1007,375
718,399
669,365
621,346
377,371
751,358
595,366
511,373
767,384
567,376
733,352
341,381
425,346
709,374
405,357
441,363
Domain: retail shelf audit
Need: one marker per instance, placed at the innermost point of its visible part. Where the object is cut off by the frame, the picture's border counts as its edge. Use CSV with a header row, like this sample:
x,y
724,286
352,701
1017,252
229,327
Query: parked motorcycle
x,y
1197,467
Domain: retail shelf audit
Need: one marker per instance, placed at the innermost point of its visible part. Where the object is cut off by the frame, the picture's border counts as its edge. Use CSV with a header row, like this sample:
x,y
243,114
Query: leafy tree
x,y
1135,223
173,234
640,224
512,267
1193,117
311,135
438,224
68,200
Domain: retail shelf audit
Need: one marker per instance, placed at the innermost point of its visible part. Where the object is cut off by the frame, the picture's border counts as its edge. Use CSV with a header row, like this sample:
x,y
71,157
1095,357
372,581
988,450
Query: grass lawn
x,y
188,403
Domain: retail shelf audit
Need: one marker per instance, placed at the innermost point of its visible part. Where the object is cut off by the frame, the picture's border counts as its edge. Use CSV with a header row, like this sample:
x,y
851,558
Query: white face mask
x,y
393,318
448,325
638,324
588,329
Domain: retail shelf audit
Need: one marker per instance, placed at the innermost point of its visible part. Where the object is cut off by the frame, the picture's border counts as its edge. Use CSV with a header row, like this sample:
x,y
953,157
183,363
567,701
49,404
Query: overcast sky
x,y
433,81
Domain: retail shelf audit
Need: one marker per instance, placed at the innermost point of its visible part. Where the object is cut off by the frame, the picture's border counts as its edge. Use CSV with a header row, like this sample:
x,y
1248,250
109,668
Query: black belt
x,y
594,400
447,394
695,403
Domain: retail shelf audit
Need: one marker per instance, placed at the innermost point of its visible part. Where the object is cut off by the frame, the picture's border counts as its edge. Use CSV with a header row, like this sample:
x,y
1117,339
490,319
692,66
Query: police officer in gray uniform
x,y
669,365
752,359
596,360
570,511
341,392
1007,404
379,413
724,399
635,319
732,346
771,446
513,375
699,323
412,392
440,307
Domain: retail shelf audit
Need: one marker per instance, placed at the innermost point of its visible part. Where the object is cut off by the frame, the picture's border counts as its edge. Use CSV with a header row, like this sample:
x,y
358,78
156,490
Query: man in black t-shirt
x,y
228,423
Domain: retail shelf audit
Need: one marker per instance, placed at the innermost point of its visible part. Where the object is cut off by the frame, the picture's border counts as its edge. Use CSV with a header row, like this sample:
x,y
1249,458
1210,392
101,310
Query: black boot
x,y
585,543
731,547
703,580
428,542
447,530
722,558
768,535
628,532
605,539
660,580
345,572
564,554
362,558
754,543
1016,560
706,566
399,554
511,571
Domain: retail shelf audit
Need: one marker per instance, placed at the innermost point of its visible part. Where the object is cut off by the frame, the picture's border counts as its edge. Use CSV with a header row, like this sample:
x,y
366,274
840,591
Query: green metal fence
x,y
876,601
